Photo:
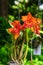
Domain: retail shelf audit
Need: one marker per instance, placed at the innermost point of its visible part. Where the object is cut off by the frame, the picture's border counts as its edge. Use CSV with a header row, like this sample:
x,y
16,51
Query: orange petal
x,y
24,18
29,14
32,29
10,30
16,36
39,20
15,22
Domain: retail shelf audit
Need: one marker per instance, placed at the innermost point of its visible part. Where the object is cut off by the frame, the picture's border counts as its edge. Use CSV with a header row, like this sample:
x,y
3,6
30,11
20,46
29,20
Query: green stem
x,y
25,55
26,52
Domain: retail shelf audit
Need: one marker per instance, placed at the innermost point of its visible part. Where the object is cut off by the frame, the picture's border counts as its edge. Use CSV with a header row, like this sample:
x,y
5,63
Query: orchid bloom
x,y
16,29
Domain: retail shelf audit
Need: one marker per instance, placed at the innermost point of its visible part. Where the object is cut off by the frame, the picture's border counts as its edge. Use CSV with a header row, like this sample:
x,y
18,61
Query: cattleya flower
x,y
28,22
16,29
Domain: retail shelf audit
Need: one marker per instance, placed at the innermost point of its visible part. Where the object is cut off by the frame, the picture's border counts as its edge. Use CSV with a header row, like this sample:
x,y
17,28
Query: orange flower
x,y
28,22
31,22
16,29
27,17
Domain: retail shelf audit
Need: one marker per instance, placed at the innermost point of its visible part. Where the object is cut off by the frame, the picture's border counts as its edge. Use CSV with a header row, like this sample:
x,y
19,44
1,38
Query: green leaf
x,y
41,31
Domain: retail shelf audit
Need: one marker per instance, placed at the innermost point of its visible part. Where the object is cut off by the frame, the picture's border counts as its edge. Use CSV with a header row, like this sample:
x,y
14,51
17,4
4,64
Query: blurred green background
x,y
11,10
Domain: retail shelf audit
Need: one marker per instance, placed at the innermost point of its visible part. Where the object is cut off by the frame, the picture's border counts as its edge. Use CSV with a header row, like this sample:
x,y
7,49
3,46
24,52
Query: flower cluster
x,y
28,22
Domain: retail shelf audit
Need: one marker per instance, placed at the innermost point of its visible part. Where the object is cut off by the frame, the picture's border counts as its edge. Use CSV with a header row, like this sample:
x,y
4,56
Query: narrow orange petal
x,y
10,30
16,36
15,22
32,29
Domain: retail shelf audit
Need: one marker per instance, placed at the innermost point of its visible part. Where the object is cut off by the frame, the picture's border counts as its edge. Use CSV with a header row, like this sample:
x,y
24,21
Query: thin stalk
x,y
26,52
13,49
25,55
21,51
22,47
31,55
31,51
